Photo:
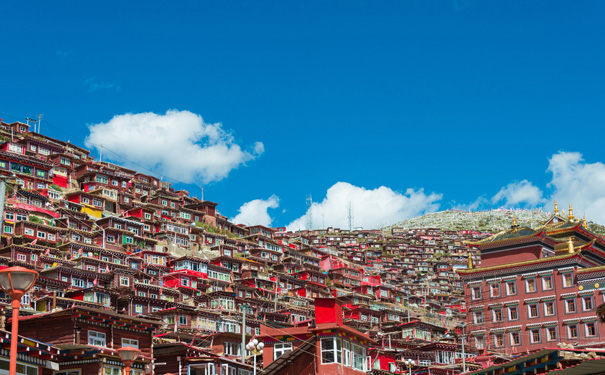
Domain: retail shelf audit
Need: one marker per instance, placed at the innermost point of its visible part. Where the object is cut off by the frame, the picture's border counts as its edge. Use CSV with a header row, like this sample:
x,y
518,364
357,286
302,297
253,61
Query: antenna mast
x,y
309,212
350,217
39,122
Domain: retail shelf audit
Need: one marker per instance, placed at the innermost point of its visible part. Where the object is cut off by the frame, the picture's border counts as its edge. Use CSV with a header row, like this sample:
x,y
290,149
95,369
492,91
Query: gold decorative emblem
x,y
596,285
581,287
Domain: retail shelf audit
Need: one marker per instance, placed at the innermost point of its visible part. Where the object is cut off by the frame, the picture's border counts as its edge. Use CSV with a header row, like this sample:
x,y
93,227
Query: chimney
x,y
328,310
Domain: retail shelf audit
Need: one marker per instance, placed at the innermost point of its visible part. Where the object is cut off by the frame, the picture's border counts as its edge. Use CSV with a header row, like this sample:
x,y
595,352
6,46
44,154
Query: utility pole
x,y
244,307
309,212
39,122
463,355
350,216
276,287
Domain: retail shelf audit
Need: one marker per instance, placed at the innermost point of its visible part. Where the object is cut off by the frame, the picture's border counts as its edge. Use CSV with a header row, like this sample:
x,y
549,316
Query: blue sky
x,y
458,99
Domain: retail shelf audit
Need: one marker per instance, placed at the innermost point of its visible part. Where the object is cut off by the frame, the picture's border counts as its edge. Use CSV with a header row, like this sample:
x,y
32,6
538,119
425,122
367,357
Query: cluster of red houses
x,y
127,260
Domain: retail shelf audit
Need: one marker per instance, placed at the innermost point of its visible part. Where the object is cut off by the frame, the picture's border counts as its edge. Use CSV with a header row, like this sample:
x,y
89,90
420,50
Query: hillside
x,y
483,221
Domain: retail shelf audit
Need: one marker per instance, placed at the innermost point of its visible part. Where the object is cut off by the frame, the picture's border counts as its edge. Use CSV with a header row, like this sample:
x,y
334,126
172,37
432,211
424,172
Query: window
x,y
515,338
532,310
232,348
102,179
567,280
494,290
41,235
29,232
281,349
8,229
497,315
530,286
476,293
110,370
587,303
570,305
346,351
478,317
590,329
534,335
513,313
549,308
147,216
359,357
511,288
331,350
572,331
9,216
110,238
480,342
551,333
547,283
183,320
22,257
124,281
96,338
499,340
138,309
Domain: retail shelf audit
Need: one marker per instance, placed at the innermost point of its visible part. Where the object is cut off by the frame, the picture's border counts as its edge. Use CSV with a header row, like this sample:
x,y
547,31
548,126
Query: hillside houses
x,y
115,244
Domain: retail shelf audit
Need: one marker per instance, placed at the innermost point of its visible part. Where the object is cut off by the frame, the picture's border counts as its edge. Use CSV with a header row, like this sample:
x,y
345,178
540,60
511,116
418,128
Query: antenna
x,y
27,120
39,122
350,216
309,212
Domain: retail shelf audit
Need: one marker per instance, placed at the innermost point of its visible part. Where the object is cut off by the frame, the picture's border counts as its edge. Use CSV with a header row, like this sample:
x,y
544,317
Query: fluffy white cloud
x,y
256,212
519,193
579,183
178,144
370,208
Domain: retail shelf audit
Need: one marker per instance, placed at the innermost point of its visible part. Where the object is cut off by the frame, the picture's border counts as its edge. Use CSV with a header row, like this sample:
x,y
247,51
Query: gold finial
x,y
515,222
570,246
556,207
584,222
571,217
470,261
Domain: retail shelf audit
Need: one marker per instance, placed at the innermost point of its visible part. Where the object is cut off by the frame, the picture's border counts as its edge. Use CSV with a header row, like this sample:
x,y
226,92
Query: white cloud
x,y
178,145
256,212
519,193
579,183
370,208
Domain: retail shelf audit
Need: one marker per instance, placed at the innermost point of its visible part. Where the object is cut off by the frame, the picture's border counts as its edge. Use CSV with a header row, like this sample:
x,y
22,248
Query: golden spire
x,y
556,208
584,222
571,217
570,246
470,261
515,225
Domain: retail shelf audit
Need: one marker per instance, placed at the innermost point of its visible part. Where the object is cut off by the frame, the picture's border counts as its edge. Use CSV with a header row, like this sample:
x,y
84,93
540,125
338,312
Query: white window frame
x,y
335,350
281,348
96,338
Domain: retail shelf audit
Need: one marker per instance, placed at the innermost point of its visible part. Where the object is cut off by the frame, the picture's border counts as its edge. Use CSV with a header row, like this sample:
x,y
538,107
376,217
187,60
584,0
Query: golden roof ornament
x,y
571,217
570,246
556,207
470,261
584,222
515,225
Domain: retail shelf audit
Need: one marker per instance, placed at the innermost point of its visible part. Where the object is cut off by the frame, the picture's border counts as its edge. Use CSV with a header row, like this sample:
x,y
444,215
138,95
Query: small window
x,y
96,338
590,329
130,342
547,283
572,331
281,349
551,333
530,286
534,336
570,305
567,280
138,309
